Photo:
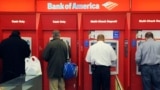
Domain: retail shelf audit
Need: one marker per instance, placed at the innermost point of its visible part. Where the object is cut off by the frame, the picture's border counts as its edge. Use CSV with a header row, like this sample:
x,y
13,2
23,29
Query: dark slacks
x,y
150,77
101,78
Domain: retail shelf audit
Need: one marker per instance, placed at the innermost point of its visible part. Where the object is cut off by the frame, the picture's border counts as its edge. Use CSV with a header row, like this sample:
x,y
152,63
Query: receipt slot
x,y
114,66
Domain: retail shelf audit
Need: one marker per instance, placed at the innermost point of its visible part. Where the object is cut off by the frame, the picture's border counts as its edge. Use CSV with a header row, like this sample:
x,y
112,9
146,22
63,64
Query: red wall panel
x,y
145,5
145,21
17,5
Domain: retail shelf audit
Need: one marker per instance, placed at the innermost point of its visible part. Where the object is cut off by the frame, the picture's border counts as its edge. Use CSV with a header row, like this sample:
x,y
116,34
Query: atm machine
x,y
139,36
66,24
140,24
25,23
69,36
112,26
116,68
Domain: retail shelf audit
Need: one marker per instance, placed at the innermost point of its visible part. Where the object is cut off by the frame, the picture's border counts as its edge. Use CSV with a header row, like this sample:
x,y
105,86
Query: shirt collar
x,y
100,42
150,39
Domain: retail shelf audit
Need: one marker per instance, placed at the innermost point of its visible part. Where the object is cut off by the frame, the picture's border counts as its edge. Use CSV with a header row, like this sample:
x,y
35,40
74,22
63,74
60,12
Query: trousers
x,y
101,78
150,77
57,84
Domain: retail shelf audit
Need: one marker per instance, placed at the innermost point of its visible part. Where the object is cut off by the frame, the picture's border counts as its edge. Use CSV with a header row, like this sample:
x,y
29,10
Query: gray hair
x,y
56,34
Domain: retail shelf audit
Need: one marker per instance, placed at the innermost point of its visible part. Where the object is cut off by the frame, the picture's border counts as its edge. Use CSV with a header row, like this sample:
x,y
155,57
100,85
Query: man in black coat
x,y
55,53
13,51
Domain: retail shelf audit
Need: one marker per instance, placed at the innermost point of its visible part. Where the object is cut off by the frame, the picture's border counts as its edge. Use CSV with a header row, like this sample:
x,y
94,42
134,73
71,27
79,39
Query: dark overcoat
x,y
55,53
13,51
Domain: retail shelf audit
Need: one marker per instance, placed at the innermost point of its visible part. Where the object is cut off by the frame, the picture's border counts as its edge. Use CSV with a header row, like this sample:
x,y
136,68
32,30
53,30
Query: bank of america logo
x,y
110,5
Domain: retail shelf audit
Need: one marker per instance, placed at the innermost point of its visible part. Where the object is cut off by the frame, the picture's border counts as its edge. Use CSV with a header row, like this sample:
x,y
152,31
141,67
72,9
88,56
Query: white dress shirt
x,y
101,54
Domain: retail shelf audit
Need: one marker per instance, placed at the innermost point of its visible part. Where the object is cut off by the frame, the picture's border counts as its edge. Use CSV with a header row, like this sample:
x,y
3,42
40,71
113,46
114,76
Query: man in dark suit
x,y
13,51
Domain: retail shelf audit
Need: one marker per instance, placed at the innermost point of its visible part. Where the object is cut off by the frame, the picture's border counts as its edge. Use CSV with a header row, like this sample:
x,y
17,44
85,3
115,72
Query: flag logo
x,y
110,5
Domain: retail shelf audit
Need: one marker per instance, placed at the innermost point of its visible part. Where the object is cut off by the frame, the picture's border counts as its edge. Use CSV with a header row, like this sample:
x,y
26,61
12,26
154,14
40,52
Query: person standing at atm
x,y
13,51
148,59
100,56
55,53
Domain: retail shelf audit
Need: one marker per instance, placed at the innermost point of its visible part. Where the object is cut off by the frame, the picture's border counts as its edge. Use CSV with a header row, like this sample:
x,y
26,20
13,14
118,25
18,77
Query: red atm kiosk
x,y
18,14
26,24
144,18
140,24
67,24
112,25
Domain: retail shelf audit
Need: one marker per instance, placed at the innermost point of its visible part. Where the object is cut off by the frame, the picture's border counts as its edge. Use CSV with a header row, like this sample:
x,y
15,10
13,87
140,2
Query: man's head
x,y
149,35
56,34
100,37
15,33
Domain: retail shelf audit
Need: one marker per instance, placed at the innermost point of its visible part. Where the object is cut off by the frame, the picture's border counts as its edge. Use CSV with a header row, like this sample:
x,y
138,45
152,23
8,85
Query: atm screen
x,y
114,44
